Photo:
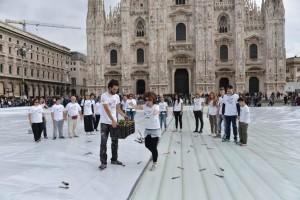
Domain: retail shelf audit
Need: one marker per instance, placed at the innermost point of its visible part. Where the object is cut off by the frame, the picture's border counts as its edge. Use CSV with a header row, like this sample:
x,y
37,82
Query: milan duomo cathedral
x,y
187,46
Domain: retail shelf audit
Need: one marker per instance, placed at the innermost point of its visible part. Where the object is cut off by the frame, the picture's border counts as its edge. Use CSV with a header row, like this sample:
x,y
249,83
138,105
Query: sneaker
x,y
45,137
102,166
225,140
242,145
61,137
213,135
153,167
54,138
116,162
76,136
195,131
200,131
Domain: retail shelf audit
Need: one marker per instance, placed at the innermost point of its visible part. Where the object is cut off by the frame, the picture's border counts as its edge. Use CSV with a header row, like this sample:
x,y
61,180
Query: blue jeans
x,y
228,121
163,120
131,115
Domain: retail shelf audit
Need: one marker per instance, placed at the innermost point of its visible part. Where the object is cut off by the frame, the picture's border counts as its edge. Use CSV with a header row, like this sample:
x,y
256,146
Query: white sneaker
x,y
153,167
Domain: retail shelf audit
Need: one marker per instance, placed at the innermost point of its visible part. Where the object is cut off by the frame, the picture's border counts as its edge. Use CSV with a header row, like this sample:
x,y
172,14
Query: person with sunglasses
x,y
35,117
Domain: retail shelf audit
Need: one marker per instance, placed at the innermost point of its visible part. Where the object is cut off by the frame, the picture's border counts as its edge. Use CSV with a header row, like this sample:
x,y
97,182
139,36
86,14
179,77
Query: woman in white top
x,y
212,113
73,111
177,112
163,112
98,108
130,103
198,104
152,126
88,114
35,117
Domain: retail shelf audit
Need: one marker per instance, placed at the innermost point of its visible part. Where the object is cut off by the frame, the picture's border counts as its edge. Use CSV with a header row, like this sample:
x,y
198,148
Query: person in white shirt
x,y
124,103
163,113
152,125
92,96
130,103
87,105
230,110
110,101
35,117
220,117
244,121
98,108
44,106
57,115
73,112
177,112
198,105
212,113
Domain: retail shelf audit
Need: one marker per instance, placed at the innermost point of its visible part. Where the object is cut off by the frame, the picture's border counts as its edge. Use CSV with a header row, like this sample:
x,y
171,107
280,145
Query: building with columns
x,y
293,69
31,66
187,46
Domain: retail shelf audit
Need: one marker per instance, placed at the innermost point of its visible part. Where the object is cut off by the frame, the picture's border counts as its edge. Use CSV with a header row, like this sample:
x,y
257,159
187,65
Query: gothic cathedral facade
x,y
187,46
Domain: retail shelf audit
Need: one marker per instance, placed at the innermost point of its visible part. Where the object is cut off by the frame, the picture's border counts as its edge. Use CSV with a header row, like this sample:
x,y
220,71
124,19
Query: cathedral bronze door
x,y
182,82
253,85
224,82
140,87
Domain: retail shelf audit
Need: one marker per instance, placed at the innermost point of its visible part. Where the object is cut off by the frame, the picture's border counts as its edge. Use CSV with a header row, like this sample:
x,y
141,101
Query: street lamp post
x,y
22,51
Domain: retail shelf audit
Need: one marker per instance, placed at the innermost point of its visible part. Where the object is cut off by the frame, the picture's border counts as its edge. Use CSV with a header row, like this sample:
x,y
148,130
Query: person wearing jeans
x,y
163,113
57,115
230,111
111,105
130,103
198,104
177,112
212,113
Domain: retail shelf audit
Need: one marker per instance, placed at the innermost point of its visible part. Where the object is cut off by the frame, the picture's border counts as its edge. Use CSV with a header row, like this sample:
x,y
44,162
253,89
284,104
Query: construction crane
x,y
24,23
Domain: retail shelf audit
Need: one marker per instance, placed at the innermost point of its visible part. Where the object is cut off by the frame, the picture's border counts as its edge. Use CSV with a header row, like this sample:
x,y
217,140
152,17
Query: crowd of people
x,y
225,108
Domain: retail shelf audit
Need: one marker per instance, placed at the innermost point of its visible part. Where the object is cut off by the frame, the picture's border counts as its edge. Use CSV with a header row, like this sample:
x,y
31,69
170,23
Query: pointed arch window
x,y
180,2
113,57
180,32
140,29
224,24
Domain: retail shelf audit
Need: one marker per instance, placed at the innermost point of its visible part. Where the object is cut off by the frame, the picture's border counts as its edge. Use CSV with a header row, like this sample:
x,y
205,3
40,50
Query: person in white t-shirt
x,y
73,112
87,105
230,110
212,113
35,117
177,112
152,125
130,111
244,121
220,118
57,115
124,103
98,108
163,113
92,98
198,105
110,101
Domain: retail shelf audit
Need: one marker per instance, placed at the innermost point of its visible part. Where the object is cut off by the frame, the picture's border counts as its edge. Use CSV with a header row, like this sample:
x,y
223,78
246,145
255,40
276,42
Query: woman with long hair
x,y
198,105
88,114
35,117
212,113
177,112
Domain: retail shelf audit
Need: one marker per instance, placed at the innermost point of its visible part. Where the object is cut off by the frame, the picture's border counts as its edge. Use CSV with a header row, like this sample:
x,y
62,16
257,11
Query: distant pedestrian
x,y
130,104
212,113
178,112
57,114
163,113
73,112
87,105
244,121
35,117
220,117
198,105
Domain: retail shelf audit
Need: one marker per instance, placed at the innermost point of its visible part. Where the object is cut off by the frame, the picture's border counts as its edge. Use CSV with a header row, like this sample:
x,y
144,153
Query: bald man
x,y
73,112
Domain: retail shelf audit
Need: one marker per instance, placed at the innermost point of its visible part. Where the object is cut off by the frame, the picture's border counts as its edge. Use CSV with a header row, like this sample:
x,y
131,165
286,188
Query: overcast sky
x,y
73,13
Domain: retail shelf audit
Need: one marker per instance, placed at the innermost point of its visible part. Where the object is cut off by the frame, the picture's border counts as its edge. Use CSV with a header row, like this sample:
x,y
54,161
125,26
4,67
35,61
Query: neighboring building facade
x,y
293,69
44,71
78,74
185,46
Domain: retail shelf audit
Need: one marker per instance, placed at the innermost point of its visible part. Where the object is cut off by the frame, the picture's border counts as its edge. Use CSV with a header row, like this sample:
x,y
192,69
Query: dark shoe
x,y
76,136
62,137
116,162
200,131
225,140
54,138
103,166
195,131
45,137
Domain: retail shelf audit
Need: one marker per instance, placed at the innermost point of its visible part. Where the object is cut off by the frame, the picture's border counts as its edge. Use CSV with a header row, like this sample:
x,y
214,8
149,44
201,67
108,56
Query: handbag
x,y
75,117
